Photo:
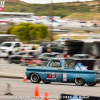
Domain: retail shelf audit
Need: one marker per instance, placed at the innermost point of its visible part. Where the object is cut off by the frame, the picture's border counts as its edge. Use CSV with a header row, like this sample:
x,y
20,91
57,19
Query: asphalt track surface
x,y
25,89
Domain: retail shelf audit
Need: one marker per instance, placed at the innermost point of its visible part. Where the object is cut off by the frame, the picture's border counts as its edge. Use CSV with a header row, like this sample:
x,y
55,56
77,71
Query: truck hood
x,y
15,56
4,47
35,68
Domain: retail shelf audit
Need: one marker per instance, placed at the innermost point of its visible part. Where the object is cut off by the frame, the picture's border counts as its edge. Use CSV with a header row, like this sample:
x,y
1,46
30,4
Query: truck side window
x,y
55,63
17,45
31,53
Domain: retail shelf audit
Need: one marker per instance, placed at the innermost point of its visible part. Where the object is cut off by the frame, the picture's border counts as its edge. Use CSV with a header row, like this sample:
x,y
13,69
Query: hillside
x,y
60,9
84,16
18,1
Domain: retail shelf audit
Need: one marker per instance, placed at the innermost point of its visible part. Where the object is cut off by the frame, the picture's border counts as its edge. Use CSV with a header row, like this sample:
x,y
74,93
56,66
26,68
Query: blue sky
x,y
49,1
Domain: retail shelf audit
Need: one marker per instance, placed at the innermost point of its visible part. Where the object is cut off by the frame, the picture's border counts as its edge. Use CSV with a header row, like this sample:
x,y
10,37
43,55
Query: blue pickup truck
x,y
62,70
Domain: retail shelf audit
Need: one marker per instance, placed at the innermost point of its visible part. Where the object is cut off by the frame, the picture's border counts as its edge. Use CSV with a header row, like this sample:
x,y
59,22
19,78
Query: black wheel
x,y
35,78
91,84
10,53
17,62
46,82
79,81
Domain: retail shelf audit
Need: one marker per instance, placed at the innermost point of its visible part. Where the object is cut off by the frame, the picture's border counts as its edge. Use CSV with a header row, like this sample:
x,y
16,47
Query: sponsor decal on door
x,y
64,76
51,75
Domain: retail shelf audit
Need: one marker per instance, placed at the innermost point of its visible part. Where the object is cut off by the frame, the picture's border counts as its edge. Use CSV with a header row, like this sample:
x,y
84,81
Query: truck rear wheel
x,y
35,78
79,82
91,84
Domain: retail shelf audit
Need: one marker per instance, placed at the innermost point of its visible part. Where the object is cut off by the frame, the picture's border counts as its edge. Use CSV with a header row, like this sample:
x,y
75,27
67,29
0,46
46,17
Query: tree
x,y
29,31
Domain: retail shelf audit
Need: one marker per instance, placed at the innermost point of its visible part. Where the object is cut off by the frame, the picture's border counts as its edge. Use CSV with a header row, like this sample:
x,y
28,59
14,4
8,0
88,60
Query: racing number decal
x,y
51,76
64,76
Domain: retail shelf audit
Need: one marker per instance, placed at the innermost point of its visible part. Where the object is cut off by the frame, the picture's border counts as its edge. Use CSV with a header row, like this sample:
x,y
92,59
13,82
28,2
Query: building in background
x,y
15,15
46,17
7,37
7,18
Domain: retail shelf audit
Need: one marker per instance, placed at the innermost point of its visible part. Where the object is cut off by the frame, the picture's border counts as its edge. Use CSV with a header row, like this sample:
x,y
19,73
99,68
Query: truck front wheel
x,y
10,53
35,78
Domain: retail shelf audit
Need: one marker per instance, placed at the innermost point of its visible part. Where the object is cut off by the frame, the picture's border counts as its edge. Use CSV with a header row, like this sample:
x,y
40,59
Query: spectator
x,y
40,49
33,48
1,58
66,54
18,50
22,49
95,56
43,49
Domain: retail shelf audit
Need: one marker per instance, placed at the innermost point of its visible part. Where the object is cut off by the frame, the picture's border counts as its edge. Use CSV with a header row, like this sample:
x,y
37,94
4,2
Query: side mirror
x,y
14,46
60,68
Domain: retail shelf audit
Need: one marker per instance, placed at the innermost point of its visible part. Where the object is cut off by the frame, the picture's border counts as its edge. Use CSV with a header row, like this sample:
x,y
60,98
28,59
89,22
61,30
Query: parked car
x,y
62,70
47,56
62,40
16,58
82,56
9,48
56,47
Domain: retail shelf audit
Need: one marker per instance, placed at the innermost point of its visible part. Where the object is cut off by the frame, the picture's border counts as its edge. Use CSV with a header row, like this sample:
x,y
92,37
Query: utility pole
x,y
51,27
99,3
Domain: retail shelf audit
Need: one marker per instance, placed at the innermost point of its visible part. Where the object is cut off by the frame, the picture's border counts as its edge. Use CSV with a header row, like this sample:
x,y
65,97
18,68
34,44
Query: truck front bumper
x,y
97,76
4,55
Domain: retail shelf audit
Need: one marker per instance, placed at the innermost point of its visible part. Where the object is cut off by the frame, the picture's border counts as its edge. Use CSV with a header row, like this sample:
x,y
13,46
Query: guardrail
x,y
29,62
90,64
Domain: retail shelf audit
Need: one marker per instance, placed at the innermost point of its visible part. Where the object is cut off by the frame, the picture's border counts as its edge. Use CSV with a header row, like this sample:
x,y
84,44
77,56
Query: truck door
x,y
69,71
53,72
16,46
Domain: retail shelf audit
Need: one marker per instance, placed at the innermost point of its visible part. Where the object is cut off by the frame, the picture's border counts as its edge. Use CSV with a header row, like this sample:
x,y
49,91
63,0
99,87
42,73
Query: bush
x,y
33,42
2,32
29,31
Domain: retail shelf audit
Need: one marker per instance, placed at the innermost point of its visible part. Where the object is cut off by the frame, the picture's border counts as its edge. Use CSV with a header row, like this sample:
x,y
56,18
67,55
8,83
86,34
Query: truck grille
x,y
3,51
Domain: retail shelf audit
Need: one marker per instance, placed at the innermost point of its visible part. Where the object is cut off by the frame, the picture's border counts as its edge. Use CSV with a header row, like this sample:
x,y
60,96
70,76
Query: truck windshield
x,y
6,44
71,63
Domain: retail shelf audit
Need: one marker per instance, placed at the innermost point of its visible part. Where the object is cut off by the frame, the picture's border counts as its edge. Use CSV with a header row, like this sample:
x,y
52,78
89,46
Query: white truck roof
x,y
11,42
6,35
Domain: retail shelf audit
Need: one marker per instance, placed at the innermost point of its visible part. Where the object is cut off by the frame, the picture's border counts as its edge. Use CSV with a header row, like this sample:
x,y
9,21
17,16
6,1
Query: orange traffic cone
x,y
24,78
37,94
46,95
